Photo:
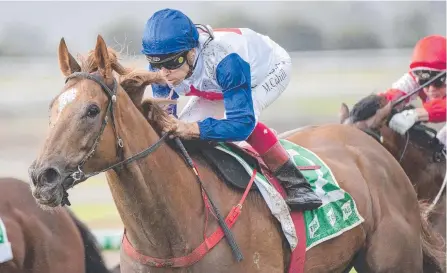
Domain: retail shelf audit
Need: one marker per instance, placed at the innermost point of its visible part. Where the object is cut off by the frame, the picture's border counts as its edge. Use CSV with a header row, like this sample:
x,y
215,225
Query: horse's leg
x,y
337,253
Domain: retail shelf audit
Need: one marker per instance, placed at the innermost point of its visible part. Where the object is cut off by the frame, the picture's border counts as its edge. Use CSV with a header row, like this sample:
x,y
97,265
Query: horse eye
x,y
92,111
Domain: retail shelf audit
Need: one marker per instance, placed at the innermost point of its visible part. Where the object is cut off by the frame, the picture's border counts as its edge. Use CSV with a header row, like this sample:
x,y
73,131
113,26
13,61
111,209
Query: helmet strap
x,y
191,67
210,38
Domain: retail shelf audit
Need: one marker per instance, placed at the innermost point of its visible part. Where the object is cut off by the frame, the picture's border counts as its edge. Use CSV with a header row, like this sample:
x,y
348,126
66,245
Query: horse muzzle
x,y
46,185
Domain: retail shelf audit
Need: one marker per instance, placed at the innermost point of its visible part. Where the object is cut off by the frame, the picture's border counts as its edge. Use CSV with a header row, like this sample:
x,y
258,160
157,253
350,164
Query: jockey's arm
x,y
401,87
163,91
432,111
233,75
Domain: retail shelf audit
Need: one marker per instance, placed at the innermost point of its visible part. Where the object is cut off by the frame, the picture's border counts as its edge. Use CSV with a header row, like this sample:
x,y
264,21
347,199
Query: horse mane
x,y
154,114
151,108
366,108
89,63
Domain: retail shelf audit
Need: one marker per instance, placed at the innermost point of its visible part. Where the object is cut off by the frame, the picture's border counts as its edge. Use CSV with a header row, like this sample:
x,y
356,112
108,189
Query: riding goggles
x,y
424,76
169,61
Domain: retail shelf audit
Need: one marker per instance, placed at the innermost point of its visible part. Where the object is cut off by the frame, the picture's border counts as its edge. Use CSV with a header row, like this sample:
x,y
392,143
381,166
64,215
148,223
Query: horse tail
x,y
433,245
94,262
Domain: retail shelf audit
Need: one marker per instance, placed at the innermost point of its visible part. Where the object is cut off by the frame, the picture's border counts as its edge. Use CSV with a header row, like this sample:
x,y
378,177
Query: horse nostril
x,y
49,175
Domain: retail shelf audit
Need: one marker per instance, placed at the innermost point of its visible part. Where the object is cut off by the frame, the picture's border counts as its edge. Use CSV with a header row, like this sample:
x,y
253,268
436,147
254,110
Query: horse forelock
x,y
366,108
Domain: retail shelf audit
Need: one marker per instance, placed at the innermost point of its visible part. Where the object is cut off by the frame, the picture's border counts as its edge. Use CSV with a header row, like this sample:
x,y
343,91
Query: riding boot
x,y
299,193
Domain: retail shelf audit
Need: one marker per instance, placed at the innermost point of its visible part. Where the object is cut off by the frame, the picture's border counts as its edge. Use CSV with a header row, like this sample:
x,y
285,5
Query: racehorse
x,y
44,241
98,121
419,152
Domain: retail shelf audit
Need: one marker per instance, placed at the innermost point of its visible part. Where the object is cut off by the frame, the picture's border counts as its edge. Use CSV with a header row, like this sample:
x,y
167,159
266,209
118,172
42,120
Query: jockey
x,y
232,74
429,59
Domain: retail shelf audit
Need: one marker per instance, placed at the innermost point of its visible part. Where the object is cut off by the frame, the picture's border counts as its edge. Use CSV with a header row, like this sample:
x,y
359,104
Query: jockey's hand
x,y
403,121
184,130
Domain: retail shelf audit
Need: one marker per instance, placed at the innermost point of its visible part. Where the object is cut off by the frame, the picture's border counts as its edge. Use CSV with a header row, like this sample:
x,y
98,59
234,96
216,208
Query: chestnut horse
x,y
96,122
419,152
44,241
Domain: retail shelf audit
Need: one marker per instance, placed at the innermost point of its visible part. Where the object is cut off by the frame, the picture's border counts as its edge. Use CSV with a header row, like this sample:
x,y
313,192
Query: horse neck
x,y
427,176
156,195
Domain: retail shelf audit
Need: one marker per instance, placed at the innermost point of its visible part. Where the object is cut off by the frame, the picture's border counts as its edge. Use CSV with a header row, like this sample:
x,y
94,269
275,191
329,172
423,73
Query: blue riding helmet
x,y
168,32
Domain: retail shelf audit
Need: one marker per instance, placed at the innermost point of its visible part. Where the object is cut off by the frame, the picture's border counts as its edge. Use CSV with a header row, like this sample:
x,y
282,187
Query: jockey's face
x,y
174,77
434,92
436,89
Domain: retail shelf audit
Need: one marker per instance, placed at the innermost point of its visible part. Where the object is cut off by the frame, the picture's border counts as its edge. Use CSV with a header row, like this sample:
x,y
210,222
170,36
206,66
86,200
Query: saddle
x,y
225,165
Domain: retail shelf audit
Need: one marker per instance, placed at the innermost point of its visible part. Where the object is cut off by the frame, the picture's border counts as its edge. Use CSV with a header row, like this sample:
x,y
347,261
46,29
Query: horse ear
x,y
384,112
102,58
381,116
67,62
343,113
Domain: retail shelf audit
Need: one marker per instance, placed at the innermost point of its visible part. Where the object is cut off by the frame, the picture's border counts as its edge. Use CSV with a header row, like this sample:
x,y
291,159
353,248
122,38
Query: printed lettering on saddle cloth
x,y
275,77
5,246
338,213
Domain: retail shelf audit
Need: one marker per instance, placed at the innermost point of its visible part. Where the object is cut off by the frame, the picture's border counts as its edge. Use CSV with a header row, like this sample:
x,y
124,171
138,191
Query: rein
x,y
79,175
199,252
377,136
438,154
438,196
403,98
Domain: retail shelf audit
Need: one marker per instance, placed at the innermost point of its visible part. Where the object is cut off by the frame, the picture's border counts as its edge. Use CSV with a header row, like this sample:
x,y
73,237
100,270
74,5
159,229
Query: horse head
x,y
86,127
419,152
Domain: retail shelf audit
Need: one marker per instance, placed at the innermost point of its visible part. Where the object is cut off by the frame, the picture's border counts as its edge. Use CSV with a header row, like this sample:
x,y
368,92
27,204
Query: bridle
x,y
438,148
378,136
79,176
438,153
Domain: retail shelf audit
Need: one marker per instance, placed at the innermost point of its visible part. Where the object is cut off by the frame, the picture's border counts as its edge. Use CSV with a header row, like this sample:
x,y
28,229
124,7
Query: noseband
x,y
79,176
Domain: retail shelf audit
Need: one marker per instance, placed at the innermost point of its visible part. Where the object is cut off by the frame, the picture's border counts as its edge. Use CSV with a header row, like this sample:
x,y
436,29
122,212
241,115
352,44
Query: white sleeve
x,y
406,84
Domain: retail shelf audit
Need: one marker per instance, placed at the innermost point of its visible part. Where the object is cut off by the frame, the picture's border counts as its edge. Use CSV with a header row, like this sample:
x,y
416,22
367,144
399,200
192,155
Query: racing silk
x,y
436,108
227,69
